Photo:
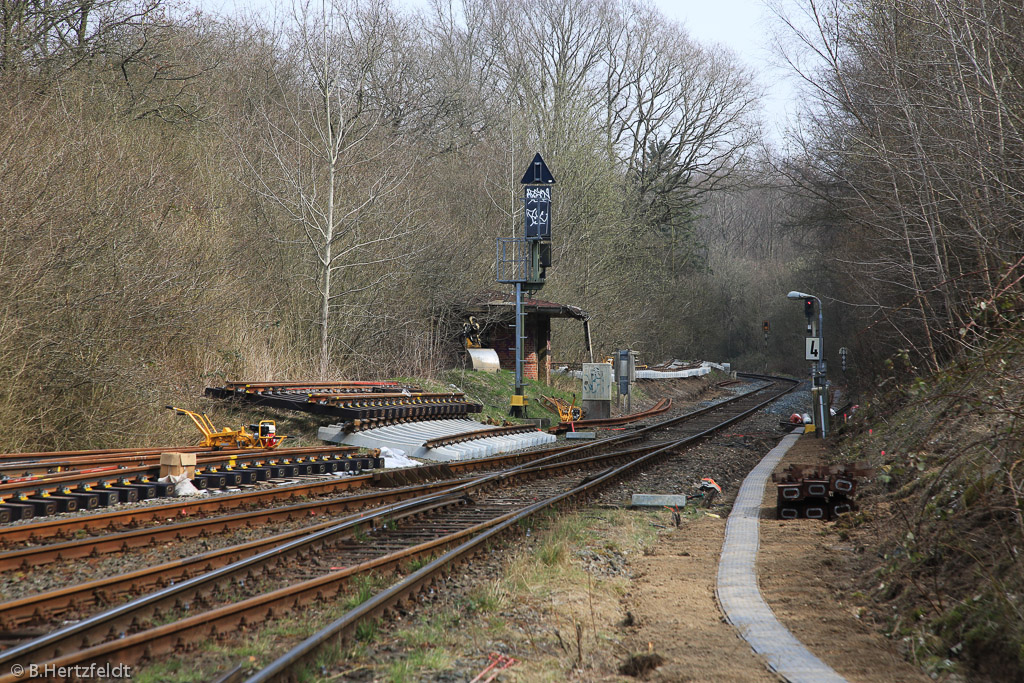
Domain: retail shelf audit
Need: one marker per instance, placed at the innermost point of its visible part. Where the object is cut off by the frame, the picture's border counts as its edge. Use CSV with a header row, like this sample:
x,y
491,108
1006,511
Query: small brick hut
x,y
496,314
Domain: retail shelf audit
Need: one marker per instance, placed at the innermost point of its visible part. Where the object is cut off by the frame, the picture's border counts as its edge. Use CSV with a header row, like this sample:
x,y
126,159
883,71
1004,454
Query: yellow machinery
x,y
264,434
483,360
567,412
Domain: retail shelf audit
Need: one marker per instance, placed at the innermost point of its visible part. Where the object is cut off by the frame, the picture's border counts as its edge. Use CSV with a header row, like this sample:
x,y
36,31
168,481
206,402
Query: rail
x,y
158,639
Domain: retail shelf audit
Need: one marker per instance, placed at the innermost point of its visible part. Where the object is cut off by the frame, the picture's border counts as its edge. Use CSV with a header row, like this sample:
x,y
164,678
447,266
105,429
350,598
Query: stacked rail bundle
x,y
361,405
817,491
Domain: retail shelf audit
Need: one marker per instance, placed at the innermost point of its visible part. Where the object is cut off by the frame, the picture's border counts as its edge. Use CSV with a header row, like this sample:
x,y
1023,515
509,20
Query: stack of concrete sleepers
x,y
673,374
412,438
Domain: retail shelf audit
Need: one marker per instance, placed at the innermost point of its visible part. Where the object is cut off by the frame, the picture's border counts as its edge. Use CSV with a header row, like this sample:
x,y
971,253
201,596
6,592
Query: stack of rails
x,y
433,426
361,405
818,491
16,465
89,479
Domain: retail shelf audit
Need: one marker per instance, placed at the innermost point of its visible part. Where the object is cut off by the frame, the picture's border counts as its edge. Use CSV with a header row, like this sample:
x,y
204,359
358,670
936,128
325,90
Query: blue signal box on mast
x,y
524,261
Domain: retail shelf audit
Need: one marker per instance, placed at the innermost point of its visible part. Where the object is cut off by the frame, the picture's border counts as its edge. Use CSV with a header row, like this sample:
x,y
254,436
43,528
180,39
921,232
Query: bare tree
x,y
327,164
677,116
49,35
915,141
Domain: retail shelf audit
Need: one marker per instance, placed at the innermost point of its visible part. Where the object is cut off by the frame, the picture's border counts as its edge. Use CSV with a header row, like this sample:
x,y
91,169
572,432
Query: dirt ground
x,y
584,596
804,574
676,611
801,574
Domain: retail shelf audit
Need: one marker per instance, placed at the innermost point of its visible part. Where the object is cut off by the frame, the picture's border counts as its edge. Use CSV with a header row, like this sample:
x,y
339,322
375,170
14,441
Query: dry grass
x,y
555,607
948,510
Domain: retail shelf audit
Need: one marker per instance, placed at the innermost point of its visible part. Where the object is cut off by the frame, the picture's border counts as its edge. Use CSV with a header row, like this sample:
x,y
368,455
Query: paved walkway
x,y
738,593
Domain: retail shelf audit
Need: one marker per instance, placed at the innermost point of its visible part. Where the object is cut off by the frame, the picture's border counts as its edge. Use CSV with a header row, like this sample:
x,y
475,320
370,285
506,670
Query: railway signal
x,y
524,261
814,350
766,328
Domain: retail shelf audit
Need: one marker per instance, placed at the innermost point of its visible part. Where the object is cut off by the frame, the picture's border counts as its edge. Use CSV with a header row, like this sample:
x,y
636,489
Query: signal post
x,y
523,262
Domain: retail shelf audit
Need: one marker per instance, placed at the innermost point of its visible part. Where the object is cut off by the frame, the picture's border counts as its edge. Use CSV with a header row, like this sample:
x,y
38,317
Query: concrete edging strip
x,y
737,589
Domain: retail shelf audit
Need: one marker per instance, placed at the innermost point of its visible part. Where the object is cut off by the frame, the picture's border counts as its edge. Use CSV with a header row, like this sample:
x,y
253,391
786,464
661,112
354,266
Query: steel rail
x,y
361,386
663,405
284,667
42,606
523,470
41,531
237,616
412,398
4,457
115,620
112,620
36,555
478,434
38,532
35,607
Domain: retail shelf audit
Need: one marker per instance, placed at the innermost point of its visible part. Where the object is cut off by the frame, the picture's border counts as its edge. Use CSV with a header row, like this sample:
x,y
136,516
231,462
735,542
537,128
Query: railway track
x,y
90,482
466,510
46,531
692,428
663,405
292,555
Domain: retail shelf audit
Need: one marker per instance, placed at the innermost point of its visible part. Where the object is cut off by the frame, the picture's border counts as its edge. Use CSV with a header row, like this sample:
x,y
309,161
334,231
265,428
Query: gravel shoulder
x,y
805,572
631,596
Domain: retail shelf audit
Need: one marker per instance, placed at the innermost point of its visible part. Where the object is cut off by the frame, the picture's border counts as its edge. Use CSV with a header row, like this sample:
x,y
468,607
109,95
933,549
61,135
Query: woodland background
x,y
186,198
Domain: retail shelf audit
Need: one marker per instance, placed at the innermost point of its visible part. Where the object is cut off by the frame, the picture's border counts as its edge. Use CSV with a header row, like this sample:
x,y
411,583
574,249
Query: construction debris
x,y
709,489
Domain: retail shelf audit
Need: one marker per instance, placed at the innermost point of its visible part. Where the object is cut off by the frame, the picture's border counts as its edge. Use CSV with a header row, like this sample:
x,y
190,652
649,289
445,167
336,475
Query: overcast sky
x,y
744,26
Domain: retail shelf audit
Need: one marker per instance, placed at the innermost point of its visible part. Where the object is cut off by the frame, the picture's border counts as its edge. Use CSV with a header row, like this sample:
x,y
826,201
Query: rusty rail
x,y
54,644
340,387
36,532
166,638
660,407
478,434
18,612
